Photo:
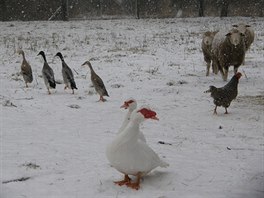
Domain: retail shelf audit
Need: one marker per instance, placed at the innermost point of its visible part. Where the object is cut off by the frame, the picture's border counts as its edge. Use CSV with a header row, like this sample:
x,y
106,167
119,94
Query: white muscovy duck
x,y
131,105
129,155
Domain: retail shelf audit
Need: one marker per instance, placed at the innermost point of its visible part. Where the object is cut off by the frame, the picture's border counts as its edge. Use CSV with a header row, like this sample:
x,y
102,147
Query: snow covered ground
x,y
55,144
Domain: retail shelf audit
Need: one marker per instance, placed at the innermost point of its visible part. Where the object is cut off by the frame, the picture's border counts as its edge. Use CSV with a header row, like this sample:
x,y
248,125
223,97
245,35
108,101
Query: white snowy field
x,y
55,144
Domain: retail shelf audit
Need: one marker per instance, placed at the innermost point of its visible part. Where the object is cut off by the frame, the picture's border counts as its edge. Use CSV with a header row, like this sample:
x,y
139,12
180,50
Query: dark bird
x,y
67,74
223,96
26,70
97,83
47,74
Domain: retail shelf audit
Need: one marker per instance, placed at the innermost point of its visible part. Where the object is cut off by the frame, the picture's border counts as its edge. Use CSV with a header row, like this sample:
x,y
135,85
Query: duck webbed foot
x,y
102,99
126,181
135,185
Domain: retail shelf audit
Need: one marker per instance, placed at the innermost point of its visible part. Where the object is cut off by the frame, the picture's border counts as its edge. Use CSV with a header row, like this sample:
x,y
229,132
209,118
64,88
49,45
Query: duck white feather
x,y
131,105
131,156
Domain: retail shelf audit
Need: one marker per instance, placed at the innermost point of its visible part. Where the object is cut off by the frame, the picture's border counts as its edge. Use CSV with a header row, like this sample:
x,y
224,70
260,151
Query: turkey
x,y
67,74
130,156
131,105
26,69
223,96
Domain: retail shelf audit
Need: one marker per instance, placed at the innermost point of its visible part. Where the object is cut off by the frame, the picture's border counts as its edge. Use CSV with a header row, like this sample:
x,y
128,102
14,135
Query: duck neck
x,y
44,57
62,59
91,68
23,55
131,132
128,116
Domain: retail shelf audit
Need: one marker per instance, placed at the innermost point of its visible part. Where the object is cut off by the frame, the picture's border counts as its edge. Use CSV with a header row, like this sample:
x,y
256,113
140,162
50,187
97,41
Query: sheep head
x,y
235,37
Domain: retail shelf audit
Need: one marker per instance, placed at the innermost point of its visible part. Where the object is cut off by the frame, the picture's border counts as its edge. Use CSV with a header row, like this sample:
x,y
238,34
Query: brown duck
x,y
97,83
26,70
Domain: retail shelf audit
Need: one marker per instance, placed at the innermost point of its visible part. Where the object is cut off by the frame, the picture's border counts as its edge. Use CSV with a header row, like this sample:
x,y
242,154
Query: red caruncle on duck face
x,y
127,103
148,114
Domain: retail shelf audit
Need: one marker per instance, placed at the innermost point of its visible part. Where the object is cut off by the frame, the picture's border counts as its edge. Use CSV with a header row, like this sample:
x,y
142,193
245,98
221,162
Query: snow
x,y
58,141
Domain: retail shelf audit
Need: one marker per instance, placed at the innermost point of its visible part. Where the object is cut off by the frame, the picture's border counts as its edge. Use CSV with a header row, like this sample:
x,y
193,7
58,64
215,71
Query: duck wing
x,y
69,75
49,75
26,72
99,85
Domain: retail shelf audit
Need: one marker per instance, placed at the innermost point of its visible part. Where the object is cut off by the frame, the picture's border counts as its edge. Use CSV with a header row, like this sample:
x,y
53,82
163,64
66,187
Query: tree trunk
x,y
64,10
201,8
224,8
3,10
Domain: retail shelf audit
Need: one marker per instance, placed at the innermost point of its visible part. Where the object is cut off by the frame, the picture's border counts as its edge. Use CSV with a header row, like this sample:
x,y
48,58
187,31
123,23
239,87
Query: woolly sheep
x,y
228,49
248,31
207,50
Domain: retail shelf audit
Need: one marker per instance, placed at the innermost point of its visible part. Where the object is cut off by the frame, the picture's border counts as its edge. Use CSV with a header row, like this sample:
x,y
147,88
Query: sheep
x,y
228,49
206,48
249,33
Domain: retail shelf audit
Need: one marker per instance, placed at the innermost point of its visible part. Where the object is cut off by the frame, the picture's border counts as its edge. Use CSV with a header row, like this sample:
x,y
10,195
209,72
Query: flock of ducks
x,y
129,152
67,74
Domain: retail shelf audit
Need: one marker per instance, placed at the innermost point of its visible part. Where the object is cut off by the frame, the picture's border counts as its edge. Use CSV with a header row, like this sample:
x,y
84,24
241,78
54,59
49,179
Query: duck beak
x,y
124,106
154,118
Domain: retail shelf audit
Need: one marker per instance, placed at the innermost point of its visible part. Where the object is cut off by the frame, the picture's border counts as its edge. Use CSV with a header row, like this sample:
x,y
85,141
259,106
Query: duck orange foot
x,y
126,181
133,185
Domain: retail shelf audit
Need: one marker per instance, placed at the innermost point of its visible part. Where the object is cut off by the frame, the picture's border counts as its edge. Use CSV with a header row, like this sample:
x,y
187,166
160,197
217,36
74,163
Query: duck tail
x,y
163,164
73,85
52,84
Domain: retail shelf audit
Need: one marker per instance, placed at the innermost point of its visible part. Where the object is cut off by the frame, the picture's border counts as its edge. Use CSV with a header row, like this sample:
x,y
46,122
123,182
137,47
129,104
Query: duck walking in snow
x,y
130,156
47,74
97,83
67,74
131,105
26,70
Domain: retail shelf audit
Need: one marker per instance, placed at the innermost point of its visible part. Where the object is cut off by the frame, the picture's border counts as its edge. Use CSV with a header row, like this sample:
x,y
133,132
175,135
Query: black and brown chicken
x,y
223,96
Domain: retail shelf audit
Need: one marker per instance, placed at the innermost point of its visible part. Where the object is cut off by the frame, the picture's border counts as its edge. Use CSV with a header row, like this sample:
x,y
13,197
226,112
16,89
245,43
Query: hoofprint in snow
x,y
54,145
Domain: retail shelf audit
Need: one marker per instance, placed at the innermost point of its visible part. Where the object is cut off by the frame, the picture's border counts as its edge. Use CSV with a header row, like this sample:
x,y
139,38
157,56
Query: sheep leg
x,y
226,111
225,73
215,67
222,72
207,68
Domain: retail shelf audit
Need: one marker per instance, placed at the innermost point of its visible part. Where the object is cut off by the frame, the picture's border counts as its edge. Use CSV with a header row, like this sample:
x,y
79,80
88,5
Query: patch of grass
x,y
31,165
255,100
16,180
